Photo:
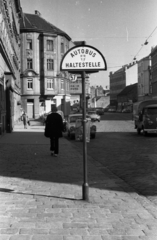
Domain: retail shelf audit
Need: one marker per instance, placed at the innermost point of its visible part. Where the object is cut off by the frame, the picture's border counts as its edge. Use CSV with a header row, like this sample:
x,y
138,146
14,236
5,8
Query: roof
x,y
127,89
149,101
122,69
35,23
151,106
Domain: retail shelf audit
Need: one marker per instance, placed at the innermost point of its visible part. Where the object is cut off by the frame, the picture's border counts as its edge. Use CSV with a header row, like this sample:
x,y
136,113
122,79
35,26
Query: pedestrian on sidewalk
x,y
25,119
54,124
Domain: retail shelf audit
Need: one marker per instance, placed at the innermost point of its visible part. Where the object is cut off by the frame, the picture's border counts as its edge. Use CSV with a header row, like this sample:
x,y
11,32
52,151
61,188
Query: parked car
x,y
112,109
145,116
125,110
94,116
71,123
106,109
100,111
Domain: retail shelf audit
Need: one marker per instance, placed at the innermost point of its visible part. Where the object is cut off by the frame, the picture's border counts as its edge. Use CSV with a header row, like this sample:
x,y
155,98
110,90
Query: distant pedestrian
x,y
54,124
25,119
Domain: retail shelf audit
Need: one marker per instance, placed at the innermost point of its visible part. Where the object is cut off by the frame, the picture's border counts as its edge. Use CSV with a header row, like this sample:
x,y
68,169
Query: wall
x,y
10,13
143,79
154,71
117,84
132,74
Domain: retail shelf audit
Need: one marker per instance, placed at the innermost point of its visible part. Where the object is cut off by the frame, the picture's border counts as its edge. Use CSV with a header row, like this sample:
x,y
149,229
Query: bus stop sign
x,y
83,58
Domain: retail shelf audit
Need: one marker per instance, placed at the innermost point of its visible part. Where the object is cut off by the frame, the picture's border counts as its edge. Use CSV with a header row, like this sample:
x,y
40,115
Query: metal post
x,y
85,189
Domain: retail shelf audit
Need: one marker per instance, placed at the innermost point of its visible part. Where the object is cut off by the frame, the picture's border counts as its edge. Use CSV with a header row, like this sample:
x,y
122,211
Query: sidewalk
x,y
41,196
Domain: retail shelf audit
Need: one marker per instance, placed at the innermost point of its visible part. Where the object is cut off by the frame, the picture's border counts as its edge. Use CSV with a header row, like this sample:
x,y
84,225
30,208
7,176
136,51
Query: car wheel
x,y
72,136
145,133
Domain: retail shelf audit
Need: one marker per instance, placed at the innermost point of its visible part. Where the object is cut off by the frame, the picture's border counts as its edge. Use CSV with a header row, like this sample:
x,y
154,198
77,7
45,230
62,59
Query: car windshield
x,y
74,118
151,111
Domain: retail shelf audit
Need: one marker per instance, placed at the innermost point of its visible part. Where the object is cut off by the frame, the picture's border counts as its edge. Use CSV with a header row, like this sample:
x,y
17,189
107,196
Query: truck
x,y
145,116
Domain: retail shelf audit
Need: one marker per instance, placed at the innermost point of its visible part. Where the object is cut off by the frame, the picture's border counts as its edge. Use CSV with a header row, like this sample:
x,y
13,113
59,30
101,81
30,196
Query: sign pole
x,y
85,189
82,59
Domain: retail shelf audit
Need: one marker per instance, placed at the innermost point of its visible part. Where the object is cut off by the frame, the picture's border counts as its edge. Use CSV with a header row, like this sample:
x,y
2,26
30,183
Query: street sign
x,y
83,58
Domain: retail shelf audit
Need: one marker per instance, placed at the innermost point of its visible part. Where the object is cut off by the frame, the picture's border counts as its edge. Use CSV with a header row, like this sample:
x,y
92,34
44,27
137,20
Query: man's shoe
x,y
56,155
52,153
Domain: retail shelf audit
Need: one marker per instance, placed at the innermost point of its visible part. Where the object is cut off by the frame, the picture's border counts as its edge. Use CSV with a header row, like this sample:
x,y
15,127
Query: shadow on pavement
x,y
128,156
5,190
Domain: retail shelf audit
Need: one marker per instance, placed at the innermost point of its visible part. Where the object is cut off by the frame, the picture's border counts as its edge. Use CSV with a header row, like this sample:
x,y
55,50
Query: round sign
x,y
83,58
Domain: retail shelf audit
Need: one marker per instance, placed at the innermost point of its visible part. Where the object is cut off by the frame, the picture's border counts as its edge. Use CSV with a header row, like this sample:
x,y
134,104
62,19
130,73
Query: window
x,y
151,111
50,83
49,45
29,63
62,84
30,83
50,64
29,44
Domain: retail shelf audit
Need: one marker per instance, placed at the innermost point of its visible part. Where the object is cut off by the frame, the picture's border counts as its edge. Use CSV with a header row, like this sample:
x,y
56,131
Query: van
x,y
145,116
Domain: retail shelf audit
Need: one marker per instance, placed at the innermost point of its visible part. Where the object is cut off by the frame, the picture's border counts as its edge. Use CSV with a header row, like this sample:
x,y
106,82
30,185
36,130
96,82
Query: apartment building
x,y
117,84
144,84
153,81
42,83
125,76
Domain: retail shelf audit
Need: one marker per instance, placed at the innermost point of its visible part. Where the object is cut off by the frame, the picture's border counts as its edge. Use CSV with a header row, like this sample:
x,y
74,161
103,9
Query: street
x,y
129,156
41,196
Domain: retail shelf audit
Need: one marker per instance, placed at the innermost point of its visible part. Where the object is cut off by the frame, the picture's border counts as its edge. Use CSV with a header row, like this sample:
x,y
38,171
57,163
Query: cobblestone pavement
x,y
129,156
41,196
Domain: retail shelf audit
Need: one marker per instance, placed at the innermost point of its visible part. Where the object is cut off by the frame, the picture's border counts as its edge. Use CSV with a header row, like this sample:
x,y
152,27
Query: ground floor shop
x,y
37,106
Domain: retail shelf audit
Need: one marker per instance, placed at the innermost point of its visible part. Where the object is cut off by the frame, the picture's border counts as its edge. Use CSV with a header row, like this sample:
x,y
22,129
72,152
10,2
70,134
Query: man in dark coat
x,y
54,122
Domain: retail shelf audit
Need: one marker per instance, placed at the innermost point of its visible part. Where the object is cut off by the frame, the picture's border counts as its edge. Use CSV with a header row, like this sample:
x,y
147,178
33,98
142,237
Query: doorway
x,y
30,108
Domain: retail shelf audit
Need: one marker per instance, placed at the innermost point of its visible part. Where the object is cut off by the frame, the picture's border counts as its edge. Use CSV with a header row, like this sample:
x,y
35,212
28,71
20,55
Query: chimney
x,y
37,13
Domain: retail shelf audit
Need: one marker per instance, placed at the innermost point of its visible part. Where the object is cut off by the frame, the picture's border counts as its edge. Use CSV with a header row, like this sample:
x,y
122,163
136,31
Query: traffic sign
x,y
83,58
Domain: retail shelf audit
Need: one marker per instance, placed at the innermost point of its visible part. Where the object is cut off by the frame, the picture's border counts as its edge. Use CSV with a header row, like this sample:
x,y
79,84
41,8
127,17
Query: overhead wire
x,y
145,43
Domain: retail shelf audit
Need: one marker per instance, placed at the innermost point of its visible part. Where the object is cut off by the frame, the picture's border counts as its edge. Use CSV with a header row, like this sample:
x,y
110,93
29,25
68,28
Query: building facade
x,y
127,97
42,83
10,14
117,84
144,83
125,76
99,97
153,82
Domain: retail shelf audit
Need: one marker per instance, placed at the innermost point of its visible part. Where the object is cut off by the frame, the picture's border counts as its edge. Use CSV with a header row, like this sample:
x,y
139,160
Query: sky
x,y
117,28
